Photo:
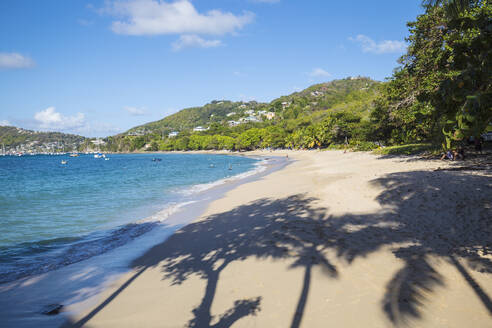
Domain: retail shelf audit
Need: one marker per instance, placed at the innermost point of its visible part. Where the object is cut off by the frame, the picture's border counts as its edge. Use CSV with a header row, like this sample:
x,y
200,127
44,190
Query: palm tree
x,y
453,7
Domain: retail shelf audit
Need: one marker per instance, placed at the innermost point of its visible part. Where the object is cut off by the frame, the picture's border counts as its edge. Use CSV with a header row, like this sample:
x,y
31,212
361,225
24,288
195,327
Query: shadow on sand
x,y
295,228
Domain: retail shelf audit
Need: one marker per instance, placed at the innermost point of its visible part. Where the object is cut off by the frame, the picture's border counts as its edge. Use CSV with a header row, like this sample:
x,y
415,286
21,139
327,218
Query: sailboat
x,y
64,162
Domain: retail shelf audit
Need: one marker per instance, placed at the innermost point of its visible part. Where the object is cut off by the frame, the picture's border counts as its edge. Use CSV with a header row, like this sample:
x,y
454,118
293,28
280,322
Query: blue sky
x,y
97,68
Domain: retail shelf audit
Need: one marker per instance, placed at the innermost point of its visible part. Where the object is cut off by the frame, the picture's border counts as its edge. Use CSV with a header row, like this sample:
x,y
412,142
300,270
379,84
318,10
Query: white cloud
x,y
15,60
134,110
382,47
50,119
194,41
319,72
154,17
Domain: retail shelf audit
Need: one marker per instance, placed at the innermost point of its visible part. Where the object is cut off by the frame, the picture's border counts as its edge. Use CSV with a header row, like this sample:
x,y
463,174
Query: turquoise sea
x,y
54,214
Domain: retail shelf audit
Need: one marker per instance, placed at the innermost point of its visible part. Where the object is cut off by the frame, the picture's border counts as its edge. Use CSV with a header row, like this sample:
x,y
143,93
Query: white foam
x,y
259,167
164,214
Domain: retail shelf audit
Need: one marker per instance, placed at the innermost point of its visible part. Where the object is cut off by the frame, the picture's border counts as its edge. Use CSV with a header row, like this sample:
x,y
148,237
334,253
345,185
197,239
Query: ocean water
x,y
52,215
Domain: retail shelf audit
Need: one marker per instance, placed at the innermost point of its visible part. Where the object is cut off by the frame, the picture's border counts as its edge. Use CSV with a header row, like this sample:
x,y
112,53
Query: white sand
x,y
332,240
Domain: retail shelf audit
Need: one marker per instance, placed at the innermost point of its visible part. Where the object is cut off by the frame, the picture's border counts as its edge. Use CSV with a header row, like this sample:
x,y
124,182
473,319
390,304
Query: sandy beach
x,y
331,240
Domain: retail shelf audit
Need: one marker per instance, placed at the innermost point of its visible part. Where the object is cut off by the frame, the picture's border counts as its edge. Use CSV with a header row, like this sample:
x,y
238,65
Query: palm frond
x,y
453,7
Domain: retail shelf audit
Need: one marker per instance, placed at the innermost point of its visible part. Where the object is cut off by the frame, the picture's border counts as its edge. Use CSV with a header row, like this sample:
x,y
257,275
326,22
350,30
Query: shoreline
x,y
324,238
87,278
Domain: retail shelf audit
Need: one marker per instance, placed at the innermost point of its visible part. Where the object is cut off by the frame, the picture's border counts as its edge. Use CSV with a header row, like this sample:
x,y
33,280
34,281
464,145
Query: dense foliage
x,y
442,90
464,97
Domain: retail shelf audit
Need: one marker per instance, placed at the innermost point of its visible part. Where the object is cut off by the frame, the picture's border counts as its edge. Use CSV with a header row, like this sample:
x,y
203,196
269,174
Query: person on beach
x,y
447,155
345,145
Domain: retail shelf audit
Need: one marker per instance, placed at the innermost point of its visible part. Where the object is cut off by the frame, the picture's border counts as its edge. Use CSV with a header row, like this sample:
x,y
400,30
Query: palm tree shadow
x,y
286,228
445,215
289,228
297,229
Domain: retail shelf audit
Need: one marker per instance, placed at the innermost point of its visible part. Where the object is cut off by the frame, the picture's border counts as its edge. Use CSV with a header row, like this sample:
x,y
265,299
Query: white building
x,y
173,134
285,104
199,129
251,119
270,115
233,123
230,114
98,142
249,112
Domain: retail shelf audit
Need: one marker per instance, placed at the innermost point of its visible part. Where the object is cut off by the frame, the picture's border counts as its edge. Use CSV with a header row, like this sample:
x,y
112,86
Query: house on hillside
x,y
267,115
249,112
230,114
251,119
199,129
286,104
98,142
233,123
173,134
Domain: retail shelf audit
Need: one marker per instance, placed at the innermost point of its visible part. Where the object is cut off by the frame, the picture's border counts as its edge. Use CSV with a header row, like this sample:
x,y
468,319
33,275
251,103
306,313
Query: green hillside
x,y
214,112
288,121
353,94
